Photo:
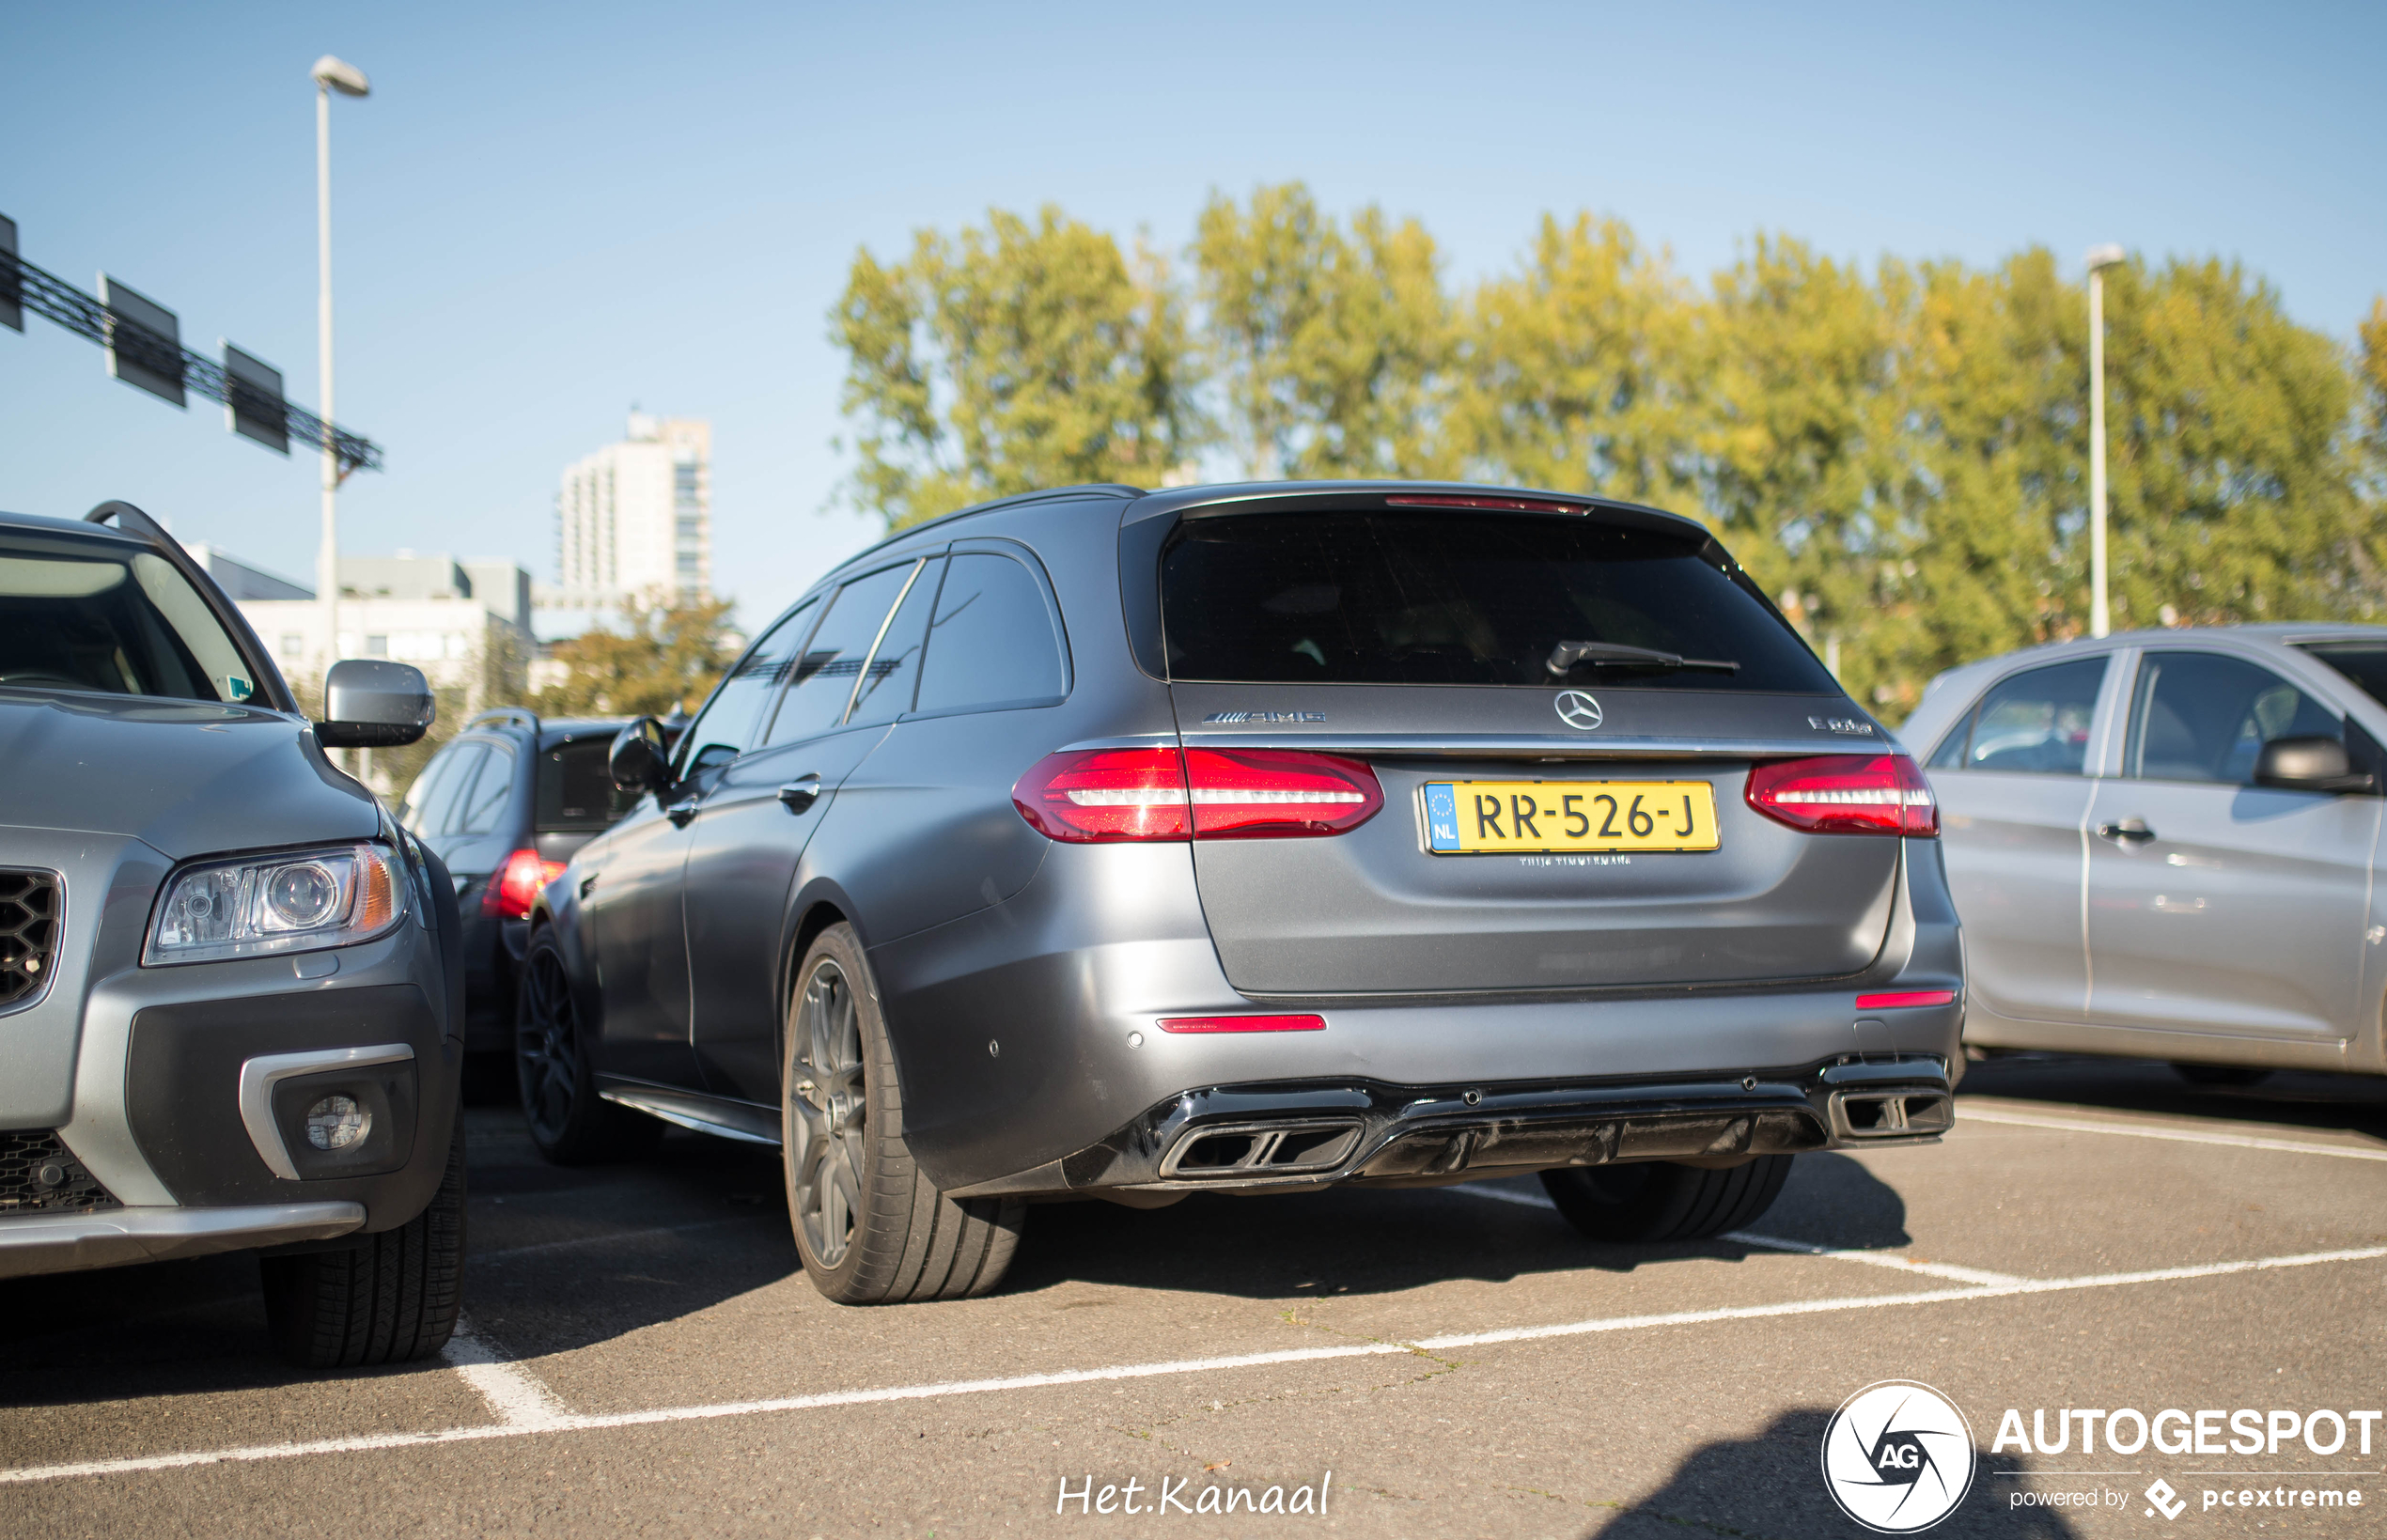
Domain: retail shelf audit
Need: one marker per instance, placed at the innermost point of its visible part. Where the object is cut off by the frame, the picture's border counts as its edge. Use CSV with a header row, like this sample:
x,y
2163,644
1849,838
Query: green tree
x,y
1580,372
668,659
1331,344
1011,357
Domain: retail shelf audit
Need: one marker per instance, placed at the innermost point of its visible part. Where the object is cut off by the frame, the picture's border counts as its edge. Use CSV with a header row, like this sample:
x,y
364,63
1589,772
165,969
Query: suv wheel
x,y
1660,1201
391,1299
569,1121
870,1227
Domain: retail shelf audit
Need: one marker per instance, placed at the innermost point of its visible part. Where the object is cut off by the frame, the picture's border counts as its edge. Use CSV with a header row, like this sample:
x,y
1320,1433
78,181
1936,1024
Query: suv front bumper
x,y
71,1242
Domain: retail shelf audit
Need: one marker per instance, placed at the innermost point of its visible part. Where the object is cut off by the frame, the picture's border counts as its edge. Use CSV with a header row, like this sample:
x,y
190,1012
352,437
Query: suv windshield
x,y
91,615
1434,598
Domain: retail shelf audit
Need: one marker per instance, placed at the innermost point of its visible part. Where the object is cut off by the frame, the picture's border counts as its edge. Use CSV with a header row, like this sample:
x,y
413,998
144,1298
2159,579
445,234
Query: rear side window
x,y
887,686
2036,722
576,790
2205,716
992,642
423,797
2364,662
825,676
1437,597
437,807
478,811
727,725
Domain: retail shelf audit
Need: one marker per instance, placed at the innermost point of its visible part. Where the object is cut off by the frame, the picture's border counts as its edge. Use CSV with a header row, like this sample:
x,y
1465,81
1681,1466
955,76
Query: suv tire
x,y
1662,1201
869,1225
393,1298
557,1073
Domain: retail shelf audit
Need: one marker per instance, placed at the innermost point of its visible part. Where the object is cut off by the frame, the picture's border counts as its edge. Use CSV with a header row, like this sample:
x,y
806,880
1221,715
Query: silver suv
x,y
230,994
1255,839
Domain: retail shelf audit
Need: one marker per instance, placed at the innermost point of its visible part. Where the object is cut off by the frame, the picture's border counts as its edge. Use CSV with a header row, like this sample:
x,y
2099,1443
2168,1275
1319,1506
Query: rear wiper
x,y
1567,655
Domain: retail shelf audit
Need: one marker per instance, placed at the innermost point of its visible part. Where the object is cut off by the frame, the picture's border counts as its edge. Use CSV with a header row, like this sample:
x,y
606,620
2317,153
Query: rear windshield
x,y
89,615
576,790
2364,662
1436,597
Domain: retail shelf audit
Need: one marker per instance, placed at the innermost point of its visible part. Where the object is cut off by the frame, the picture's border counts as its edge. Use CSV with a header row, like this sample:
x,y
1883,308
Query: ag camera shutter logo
x,y
1898,1456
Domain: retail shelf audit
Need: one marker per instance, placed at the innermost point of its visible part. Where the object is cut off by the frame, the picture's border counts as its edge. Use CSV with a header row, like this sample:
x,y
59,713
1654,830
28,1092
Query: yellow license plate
x,y
1525,818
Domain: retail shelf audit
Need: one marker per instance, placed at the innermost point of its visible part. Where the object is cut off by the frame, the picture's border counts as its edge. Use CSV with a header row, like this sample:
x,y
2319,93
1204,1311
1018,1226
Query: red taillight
x,y
1094,795
1906,999
517,884
1243,1024
1847,794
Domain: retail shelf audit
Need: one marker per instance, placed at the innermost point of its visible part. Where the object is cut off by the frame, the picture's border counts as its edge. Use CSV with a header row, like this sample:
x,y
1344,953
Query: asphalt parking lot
x,y
645,1358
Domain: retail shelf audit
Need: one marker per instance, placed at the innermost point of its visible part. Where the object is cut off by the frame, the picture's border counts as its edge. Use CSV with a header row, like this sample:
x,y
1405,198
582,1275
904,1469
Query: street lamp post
x,y
2100,259
329,74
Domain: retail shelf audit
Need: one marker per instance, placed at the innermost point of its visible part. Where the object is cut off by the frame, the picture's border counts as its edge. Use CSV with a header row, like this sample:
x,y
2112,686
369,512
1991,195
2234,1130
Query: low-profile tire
x,y
1651,1201
2220,1075
556,1072
390,1299
871,1226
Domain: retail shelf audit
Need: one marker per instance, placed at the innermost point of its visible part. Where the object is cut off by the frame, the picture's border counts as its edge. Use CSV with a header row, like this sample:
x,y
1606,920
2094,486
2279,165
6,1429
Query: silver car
x,y
231,986
2164,844
1255,839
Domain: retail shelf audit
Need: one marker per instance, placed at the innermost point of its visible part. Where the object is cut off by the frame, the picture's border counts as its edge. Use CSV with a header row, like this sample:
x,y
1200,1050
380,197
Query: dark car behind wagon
x,y
1252,839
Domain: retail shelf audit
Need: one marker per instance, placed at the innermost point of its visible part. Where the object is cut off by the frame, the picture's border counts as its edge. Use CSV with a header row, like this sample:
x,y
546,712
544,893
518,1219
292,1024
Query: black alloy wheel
x,y
826,1114
569,1121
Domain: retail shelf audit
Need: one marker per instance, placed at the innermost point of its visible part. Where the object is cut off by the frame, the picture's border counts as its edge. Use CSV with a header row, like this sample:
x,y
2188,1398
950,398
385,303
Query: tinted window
x,y
425,797
887,683
2364,662
2037,722
478,811
576,790
726,728
992,642
89,615
2202,716
438,810
1460,597
823,687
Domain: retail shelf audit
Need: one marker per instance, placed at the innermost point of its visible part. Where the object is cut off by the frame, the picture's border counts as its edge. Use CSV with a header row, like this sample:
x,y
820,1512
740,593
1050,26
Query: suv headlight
x,y
299,901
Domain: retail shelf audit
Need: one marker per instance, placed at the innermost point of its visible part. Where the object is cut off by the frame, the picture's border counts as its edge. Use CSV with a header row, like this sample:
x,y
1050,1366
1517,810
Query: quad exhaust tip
x,y
1895,1113
1271,1149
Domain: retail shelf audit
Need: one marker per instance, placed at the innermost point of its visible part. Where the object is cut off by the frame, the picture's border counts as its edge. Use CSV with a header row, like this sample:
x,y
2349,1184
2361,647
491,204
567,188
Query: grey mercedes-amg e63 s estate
x,y
1257,839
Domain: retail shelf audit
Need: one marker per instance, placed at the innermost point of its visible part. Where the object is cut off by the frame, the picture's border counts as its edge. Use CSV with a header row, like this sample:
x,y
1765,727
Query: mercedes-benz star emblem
x,y
1578,711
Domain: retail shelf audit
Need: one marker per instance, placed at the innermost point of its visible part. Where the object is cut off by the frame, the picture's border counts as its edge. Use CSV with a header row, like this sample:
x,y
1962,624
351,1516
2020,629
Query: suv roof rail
x,y
265,679
505,713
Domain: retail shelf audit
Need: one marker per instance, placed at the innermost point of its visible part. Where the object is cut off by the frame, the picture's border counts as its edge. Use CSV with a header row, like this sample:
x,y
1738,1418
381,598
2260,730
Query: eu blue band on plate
x,y
1442,818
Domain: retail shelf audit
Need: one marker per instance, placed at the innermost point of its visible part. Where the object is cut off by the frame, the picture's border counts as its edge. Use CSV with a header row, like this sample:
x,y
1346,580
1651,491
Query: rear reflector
x,y
1524,505
1096,795
1847,794
1912,997
1243,1024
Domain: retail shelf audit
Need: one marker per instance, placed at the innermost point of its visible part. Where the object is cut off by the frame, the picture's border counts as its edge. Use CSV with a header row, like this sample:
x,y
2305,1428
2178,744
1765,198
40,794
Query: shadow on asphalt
x,y
1770,1485
2350,1103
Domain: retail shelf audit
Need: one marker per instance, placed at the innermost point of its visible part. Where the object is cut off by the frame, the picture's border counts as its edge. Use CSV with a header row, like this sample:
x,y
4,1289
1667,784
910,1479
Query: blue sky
x,y
545,213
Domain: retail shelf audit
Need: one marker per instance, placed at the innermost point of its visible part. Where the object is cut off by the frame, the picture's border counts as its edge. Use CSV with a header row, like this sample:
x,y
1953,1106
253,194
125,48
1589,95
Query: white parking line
x,y
1967,1112
516,1396
533,1411
1877,1259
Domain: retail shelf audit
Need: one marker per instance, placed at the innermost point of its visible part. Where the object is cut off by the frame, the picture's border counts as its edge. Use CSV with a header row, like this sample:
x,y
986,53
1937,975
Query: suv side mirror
x,y
372,704
2308,764
640,760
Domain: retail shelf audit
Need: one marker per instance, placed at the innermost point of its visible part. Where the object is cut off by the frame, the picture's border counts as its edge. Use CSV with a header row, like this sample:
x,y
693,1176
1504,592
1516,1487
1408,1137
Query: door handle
x,y
681,812
799,795
2125,832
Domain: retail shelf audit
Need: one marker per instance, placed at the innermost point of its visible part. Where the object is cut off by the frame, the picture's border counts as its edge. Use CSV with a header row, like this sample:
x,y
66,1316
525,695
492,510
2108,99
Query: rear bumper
x,y
1283,1136
73,1243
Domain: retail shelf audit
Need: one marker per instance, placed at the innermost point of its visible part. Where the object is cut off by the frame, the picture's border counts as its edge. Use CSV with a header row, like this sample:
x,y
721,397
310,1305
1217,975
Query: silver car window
x,y
2205,716
2035,722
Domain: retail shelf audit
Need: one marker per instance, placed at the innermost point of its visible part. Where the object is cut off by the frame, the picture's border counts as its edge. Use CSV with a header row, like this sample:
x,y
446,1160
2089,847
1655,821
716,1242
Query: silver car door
x,y
2215,905
2012,778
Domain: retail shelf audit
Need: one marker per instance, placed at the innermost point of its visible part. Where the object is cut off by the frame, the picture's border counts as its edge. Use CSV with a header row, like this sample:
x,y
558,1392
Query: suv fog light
x,y
336,1122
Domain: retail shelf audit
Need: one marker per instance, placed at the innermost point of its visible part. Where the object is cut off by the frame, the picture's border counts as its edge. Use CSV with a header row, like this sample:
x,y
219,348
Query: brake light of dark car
x,y
1099,794
1847,794
515,888
1243,1024
1906,999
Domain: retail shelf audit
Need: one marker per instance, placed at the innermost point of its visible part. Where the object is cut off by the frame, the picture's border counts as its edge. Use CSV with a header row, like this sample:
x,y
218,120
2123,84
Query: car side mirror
x,y
2308,764
640,760
369,703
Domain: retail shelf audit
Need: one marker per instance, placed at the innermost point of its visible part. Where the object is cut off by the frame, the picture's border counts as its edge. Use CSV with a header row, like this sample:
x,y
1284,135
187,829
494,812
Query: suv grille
x,y
29,932
37,1176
